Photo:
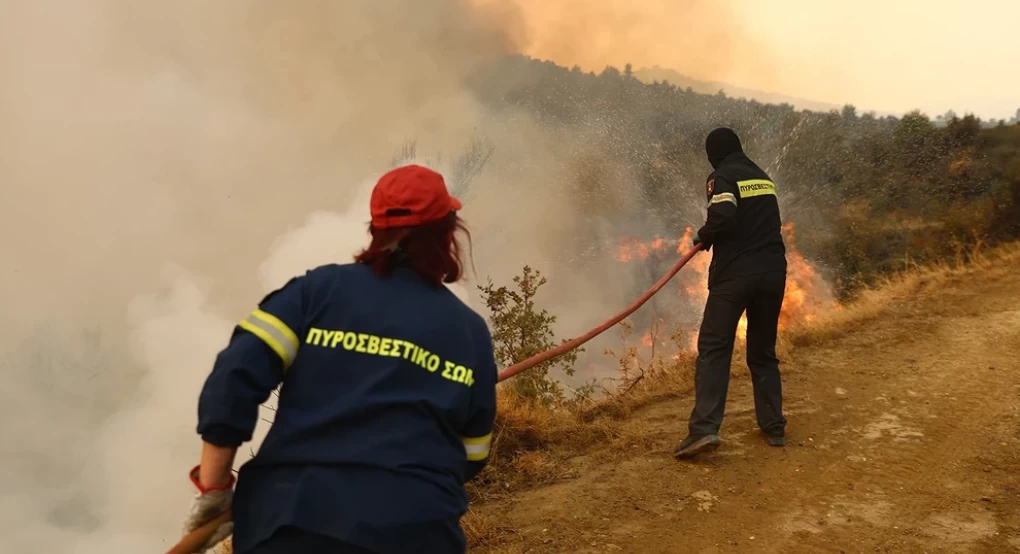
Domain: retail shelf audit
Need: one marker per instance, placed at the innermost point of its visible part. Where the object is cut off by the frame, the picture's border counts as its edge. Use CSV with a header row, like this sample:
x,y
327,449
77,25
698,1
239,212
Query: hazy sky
x,y
886,55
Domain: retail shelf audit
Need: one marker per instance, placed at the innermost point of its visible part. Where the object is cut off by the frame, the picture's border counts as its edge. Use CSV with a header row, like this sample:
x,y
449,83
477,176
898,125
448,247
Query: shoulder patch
x,y
711,186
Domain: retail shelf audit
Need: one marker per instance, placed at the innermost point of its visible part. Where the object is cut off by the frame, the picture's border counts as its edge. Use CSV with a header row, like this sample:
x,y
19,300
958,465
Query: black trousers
x,y
291,540
761,296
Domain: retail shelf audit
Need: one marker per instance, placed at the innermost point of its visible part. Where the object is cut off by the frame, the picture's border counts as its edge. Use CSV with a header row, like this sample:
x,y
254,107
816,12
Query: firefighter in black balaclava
x,y
748,273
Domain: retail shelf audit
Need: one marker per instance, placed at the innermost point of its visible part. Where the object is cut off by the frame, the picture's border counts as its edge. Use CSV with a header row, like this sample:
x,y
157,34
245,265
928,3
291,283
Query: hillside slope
x,y
904,437
655,73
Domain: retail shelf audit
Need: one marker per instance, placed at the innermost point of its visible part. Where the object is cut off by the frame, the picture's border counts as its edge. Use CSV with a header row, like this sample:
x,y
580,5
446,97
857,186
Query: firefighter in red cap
x,y
387,398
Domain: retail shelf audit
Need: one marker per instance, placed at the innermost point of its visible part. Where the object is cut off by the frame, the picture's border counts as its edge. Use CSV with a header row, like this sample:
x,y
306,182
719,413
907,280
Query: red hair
x,y
431,250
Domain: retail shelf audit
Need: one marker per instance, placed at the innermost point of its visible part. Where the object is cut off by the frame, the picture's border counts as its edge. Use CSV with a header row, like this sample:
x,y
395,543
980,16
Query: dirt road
x,y
904,437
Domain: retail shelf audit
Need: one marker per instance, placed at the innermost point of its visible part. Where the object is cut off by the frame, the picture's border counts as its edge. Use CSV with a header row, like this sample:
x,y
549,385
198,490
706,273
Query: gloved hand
x,y
207,505
697,241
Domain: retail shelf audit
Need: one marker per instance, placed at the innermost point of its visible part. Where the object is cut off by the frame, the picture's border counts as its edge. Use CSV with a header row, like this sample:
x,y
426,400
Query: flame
x,y
632,247
803,299
805,295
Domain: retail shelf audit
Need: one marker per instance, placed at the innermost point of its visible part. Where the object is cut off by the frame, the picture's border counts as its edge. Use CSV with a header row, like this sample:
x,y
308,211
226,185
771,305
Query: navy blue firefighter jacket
x,y
386,409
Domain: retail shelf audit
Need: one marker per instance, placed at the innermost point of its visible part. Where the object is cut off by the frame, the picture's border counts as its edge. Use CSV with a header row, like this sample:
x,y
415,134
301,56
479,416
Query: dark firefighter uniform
x,y
386,409
747,273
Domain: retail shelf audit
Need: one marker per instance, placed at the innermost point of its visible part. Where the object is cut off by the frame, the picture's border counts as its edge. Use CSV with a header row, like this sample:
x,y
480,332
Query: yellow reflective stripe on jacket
x,y
274,333
723,197
756,187
477,449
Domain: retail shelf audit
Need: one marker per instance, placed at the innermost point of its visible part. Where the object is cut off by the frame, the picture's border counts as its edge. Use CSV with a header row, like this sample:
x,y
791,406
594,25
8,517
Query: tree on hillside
x,y
963,132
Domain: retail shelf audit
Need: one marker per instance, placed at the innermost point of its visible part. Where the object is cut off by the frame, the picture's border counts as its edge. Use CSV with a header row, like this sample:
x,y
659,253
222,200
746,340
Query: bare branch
x,y
470,164
408,152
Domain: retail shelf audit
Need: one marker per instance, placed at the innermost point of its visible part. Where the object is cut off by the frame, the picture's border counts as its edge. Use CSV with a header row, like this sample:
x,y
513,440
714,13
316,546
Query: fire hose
x,y
578,341
195,539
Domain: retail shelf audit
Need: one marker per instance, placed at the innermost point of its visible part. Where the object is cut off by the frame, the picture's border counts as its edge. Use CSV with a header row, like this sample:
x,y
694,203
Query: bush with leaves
x,y
520,330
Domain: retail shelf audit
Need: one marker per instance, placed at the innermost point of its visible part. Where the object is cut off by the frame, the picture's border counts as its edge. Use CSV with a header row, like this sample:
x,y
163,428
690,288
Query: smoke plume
x,y
703,37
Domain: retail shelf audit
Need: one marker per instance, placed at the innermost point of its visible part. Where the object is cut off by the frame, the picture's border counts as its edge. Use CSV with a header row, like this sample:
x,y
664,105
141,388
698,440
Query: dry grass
x,y
484,530
531,440
877,301
655,380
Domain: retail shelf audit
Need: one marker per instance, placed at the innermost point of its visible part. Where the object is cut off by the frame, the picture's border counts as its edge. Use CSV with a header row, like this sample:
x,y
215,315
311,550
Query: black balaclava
x,y
721,143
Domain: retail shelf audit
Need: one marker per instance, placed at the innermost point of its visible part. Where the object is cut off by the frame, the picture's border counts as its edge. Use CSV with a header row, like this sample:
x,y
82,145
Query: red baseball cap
x,y
409,196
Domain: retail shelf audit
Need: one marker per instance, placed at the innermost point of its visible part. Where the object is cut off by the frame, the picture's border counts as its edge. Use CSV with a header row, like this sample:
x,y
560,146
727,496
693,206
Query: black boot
x,y
775,439
696,444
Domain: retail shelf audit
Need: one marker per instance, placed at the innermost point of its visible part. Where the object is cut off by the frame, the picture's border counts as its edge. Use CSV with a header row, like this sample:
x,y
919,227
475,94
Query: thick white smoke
x,y
150,157
164,165
327,237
